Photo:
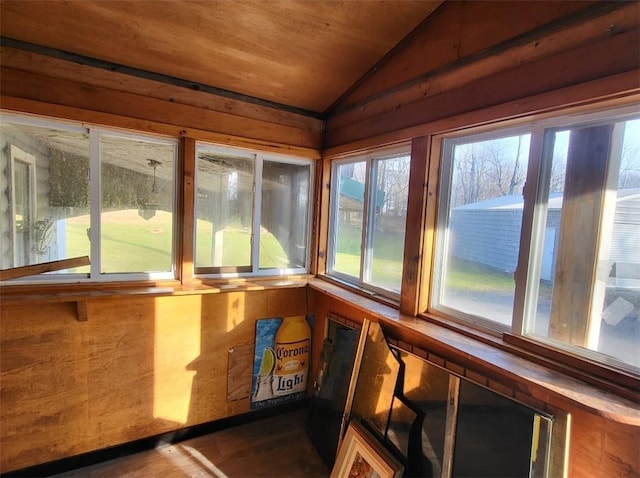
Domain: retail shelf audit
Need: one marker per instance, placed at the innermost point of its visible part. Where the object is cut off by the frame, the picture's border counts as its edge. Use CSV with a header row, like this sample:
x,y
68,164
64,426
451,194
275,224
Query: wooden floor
x,y
273,447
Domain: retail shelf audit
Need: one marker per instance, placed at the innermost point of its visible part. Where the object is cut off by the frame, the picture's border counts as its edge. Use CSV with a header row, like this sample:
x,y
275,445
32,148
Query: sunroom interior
x,y
415,219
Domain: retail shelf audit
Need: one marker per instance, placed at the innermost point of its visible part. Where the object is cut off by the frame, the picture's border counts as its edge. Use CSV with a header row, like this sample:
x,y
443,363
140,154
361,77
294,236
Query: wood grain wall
x,y
138,367
46,85
472,56
143,366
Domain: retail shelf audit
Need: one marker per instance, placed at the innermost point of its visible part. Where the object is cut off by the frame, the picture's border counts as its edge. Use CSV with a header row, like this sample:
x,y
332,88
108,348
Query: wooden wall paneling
x,y
563,70
415,226
239,382
227,320
455,47
140,366
38,64
599,447
486,25
47,89
612,91
44,390
286,302
433,44
127,394
355,307
34,107
321,306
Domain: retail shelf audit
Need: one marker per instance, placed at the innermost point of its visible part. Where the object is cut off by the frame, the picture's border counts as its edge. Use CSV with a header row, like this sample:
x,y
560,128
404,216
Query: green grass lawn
x,y
236,249
466,276
133,244
385,273
129,244
386,268
471,276
388,251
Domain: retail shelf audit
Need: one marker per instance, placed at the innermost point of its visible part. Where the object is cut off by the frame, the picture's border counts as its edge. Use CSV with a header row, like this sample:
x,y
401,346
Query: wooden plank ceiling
x,y
298,53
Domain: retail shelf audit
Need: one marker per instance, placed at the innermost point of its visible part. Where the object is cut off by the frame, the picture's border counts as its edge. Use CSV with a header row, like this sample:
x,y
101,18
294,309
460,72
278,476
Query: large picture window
x,y
479,225
252,212
556,260
70,191
368,214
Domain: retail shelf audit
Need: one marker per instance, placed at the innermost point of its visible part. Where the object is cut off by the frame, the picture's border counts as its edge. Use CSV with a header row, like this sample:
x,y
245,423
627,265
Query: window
x,y
72,191
479,222
136,204
367,223
558,260
252,212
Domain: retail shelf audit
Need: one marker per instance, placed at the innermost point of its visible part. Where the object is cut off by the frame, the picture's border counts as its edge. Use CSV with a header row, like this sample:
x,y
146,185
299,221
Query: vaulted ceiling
x,y
301,54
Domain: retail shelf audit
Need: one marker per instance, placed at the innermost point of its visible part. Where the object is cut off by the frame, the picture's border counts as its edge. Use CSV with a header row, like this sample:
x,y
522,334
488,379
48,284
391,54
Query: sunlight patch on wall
x,y
177,346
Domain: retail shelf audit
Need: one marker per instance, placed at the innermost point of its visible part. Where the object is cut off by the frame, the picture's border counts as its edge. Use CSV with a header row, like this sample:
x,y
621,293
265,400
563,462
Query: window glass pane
x,y
588,279
224,209
44,195
479,225
387,226
349,216
284,218
136,218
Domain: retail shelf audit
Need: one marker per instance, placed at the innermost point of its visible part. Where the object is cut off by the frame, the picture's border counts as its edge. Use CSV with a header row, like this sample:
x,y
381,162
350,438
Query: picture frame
x,y
362,456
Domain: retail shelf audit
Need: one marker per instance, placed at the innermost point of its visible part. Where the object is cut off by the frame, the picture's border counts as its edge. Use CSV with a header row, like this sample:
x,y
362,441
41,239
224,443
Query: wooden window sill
x,y
487,363
80,294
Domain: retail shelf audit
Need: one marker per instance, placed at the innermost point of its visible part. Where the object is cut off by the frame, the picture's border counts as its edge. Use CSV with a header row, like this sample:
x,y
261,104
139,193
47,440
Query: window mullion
x,y
257,212
536,195
365,257
442,225
334,205
185,200
95,202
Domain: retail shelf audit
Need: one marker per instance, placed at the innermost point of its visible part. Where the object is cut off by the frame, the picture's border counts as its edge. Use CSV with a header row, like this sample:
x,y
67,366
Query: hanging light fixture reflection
x,y
153,201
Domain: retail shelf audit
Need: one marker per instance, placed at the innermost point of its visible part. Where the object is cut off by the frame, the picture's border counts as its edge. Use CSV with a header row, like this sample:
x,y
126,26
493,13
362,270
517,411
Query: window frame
x,y
446,146
371,158
94,133
253,270
539,163
153,276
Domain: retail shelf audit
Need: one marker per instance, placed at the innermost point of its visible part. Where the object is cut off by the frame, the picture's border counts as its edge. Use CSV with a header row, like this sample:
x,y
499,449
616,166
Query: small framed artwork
x,y
362,456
